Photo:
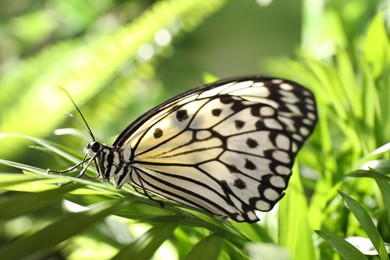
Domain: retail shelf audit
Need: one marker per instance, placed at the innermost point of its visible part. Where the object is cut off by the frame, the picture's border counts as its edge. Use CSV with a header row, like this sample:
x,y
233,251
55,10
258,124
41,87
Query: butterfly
x,y
226,148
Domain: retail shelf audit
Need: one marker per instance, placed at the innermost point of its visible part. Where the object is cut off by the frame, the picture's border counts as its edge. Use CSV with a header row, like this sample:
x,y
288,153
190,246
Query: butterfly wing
x,y
226,148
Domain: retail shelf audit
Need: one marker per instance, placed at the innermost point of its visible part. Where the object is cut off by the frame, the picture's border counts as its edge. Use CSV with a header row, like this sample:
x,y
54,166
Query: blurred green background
x,y
47,44
117,59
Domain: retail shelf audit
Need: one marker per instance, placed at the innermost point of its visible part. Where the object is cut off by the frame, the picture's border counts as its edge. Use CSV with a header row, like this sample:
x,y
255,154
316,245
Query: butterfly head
x,y
93,148
96,151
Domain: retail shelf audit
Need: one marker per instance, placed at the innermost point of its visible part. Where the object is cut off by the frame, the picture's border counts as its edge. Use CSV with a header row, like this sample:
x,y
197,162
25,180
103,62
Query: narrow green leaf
x,y
23,166
379,151
367,224
12,179
28,202
384,187
146,245
382,166
44,143
368,174
69,225
348,83
219,228
256,233
294,230
340,245
31,182
58,177
377,46
208,248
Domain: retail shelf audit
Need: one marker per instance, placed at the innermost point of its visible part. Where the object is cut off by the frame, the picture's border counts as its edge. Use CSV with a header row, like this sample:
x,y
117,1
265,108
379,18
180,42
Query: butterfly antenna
x,y
78,122
87,128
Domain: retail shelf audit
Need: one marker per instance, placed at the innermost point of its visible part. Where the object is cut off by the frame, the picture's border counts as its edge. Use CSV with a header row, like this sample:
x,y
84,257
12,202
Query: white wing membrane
x,y
226,148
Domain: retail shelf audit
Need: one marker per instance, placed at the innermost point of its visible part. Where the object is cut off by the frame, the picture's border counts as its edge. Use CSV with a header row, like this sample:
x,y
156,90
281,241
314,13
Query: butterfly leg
x,y
70,169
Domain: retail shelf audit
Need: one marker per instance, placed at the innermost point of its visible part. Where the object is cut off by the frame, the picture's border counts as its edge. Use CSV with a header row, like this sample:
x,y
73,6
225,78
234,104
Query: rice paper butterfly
x,y
226,148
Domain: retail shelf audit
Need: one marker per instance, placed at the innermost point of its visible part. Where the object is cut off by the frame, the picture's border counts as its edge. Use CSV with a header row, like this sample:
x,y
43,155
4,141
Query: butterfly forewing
x,y
226,148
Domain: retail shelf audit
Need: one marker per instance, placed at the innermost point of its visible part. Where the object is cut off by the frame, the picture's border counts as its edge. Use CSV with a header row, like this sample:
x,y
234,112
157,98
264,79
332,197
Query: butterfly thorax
x,y
110,162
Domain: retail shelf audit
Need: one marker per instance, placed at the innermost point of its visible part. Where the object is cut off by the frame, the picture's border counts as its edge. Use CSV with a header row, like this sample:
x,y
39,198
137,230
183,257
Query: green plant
x,y
352,92
339,187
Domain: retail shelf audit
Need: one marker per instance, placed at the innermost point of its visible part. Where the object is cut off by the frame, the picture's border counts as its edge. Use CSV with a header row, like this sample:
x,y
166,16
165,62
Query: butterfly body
x,y
225,148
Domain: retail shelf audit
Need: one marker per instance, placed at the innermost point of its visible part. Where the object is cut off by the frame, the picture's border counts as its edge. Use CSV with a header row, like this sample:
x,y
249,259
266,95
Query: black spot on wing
x,y
226,99
239,184
158,133
216,112
260,125
249,165
239,124
251,143
255,111
181,115
237,106
232,168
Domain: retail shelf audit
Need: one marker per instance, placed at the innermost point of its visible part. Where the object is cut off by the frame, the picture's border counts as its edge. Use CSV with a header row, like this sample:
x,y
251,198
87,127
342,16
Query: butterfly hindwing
x,y
226,148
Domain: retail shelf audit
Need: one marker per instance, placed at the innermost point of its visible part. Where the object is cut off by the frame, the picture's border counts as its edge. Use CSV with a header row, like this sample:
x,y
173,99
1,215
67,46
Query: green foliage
x,y
85,67
343,247
340,186
367,224
295,233
352,93
208,248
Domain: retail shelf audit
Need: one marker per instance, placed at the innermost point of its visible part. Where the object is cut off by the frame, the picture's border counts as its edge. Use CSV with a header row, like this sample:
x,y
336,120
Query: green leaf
x,y
381,180
146,245
377,47
24,203
368,174
340,245
378,151
214,225
67,226
208,248
294,227
23,166
257,233
55,148
384,187
9,180
367,224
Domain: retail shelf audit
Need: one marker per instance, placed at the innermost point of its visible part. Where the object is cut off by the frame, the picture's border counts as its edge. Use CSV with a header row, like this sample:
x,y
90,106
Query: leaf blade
x,y
367,224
